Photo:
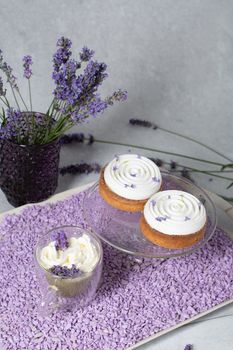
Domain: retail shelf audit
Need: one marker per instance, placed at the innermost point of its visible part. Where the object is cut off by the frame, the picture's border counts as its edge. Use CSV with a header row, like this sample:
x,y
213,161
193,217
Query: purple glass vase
x,y
28,173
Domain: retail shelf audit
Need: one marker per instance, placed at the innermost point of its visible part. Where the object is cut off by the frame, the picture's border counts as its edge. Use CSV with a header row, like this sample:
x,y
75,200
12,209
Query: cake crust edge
x,y
117,201
170,241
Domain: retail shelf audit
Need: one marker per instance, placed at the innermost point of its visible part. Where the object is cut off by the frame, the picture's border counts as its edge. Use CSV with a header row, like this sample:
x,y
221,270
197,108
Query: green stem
x,y
48,111
229,199
4,101
15,97
195,141
204,172
158,151
21,97
30,94
7,102
195,170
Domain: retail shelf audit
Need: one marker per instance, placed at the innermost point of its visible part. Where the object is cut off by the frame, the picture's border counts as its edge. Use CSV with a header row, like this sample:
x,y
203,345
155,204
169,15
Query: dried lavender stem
x,y
21,97
15,97
205,173
148,124
158,151
4,101
30,94
195,141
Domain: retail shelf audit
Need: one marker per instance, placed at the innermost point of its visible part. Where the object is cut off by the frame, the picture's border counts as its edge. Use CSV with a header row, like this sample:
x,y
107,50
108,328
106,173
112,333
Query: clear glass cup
x,y
66,293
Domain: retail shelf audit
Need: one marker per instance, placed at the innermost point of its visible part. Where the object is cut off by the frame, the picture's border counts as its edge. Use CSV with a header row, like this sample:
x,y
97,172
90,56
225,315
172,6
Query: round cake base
x,y
170,241
116,201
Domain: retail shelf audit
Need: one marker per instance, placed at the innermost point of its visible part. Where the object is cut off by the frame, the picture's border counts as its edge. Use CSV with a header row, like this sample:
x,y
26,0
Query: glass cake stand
x,y
121,229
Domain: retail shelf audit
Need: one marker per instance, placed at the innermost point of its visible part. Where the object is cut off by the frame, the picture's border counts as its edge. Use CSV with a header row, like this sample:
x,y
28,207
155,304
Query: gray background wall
x,y
175,58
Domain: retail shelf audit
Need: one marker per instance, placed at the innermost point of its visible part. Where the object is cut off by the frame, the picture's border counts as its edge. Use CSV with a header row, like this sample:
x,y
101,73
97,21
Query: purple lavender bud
x,y
139,122
126,185
118,95
64,271
82,168
133,186
64,43
173,165
188,347
155,179
61,241
91,140
27,62
2,90
71,138
86,54
8,72
80,92
157,161
187,218
153,202
158,218
114,168
133,175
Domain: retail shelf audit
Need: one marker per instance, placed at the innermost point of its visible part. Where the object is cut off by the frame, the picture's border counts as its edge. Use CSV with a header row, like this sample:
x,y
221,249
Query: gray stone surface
x,y
175,58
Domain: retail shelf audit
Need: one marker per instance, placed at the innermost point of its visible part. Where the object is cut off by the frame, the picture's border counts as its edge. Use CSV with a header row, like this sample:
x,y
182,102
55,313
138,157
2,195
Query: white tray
x,y
220,204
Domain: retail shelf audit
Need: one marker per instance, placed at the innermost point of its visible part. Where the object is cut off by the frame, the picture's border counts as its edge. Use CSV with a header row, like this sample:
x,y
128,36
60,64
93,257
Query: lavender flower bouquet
x,y
30,141
76,97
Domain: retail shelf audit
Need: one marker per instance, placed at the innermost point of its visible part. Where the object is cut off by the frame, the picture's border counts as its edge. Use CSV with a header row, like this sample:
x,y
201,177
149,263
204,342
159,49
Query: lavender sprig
x,y
86,54
72,138
18,126
2,90
62,54
64,271
148,124
173,165
27,63
11,78
77,95
76,137
157,161
188,347
118,95
144,123
82,168
61,241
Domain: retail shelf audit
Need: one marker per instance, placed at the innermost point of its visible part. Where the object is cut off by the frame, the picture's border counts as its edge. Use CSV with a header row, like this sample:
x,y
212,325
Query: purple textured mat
x,y
135,300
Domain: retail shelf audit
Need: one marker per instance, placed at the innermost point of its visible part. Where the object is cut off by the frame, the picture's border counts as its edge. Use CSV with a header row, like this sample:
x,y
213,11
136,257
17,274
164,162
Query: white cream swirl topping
x,y
175,213
81,253
133,176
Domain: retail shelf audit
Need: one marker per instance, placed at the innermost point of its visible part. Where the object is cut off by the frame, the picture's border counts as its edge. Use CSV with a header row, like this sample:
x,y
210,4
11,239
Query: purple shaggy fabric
x,y
136,299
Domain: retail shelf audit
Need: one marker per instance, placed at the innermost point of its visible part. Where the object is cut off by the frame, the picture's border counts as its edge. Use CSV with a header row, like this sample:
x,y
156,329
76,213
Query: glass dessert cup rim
x,y
170,253
77,276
